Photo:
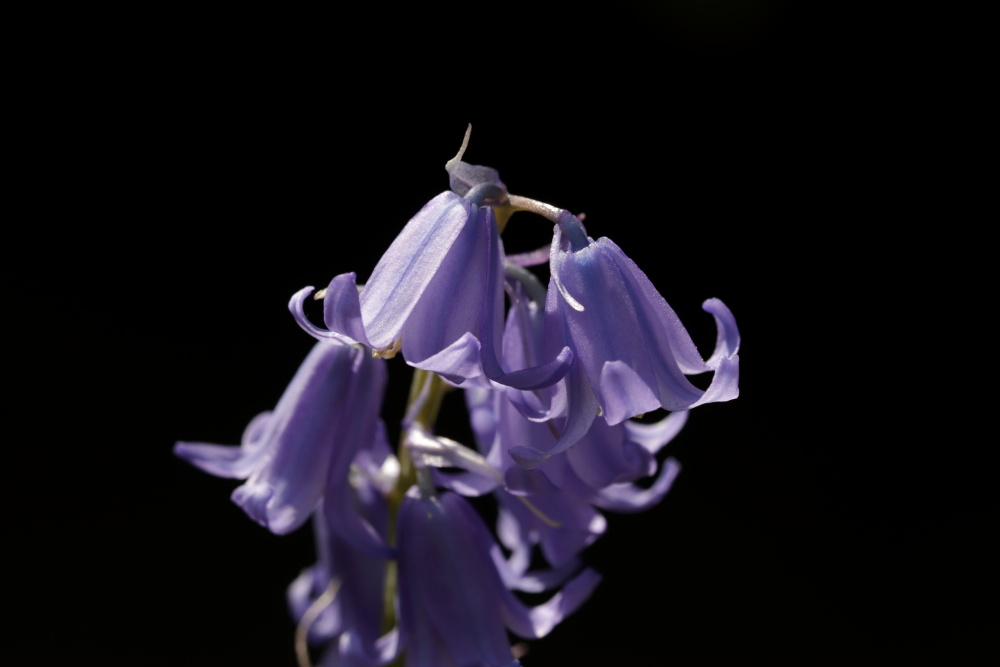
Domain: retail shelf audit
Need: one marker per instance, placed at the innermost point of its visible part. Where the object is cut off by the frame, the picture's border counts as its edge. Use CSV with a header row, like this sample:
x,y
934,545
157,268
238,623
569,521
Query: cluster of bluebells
x,y
408,572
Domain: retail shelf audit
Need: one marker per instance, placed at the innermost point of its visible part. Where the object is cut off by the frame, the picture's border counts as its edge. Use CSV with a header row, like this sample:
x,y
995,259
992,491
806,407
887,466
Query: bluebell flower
x,y
302,451
556,505
358,581
455,607
553,419
340,597
436,293
425,295
630,344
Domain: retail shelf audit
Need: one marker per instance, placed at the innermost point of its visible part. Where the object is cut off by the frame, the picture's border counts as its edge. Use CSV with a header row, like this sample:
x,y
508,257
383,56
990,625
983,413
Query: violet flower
x,y
338,601
358,581
554,419
425,295
436,292
454,607
555,506
629,343
301,451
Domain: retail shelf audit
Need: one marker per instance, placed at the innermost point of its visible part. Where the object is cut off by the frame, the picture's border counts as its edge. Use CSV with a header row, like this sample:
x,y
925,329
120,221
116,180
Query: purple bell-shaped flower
x,y
455,607
425,295
293,456
436,295
630,344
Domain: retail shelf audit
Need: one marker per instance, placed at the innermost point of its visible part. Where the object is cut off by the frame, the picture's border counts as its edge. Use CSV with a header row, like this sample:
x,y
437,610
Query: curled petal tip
x,y
296,305
537,377
728,338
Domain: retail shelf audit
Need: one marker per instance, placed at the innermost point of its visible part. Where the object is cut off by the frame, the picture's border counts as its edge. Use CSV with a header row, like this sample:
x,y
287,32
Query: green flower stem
x,y
435,389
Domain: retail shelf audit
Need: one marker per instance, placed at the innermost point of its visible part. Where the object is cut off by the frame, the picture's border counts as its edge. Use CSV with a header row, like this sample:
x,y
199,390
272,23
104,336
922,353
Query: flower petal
x,y
632,498
329,410
682,347
582,410
342,308
536,622
727,342
625,393
345,521
227,461
606,456
413,261
456,363
654,436
444,562
634,348
297,307
535,377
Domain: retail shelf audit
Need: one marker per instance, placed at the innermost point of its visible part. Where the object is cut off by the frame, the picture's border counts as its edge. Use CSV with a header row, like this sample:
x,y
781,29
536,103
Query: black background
x,y
211,166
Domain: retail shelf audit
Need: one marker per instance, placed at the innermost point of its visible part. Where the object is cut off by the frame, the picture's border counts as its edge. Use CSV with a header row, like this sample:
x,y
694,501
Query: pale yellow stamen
x,y
388,352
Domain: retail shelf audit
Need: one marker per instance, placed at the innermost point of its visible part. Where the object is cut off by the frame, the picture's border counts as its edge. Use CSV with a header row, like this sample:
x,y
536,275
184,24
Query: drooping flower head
x,y
556,505
435,290
293,456
455,607
338,601
629,343
424,297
